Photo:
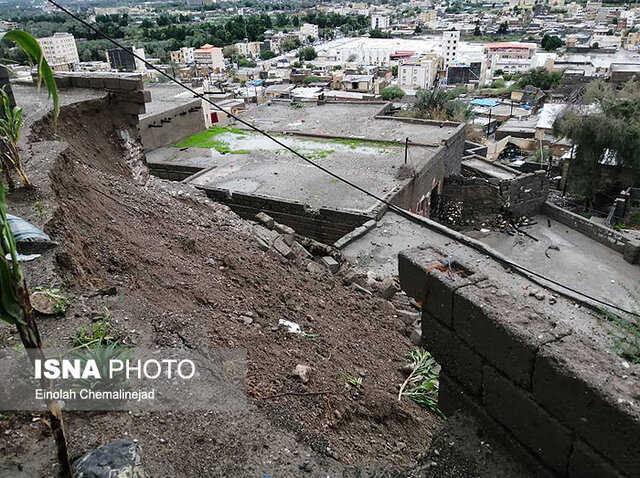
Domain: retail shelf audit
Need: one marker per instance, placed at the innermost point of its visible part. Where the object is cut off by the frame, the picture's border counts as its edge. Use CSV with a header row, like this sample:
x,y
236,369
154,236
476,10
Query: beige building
x,y
419,74
428,16
209,56
183,56
247,48
60,49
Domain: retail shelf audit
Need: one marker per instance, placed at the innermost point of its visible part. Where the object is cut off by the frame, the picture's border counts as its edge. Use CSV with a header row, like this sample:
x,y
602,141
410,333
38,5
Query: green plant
x,y
626,332
11,122
423,383
102,356
392,92
35,55
350,379
99,334
15,309
60,301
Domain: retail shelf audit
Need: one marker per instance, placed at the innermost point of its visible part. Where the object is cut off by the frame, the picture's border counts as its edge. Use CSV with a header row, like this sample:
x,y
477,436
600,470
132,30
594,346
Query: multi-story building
x,y
60,49
450,43
247,48
309,30
428,16
419,74
122,59
380,21
510,57
209,56
183,56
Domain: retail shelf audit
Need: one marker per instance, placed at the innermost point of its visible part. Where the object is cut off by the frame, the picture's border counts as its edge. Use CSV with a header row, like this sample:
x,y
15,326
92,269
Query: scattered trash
x,y
24,257
553,247
29,239
292,327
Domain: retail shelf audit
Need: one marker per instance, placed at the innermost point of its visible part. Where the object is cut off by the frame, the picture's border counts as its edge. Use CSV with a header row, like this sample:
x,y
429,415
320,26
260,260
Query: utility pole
x,y
489,123
406,150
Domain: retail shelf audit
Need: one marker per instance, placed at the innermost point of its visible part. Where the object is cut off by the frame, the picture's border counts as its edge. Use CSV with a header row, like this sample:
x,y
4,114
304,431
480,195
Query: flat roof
x,y
256,165
344,120
350,142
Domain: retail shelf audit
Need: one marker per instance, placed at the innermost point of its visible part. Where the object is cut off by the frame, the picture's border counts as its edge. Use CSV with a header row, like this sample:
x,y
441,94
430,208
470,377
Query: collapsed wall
x,y
559,400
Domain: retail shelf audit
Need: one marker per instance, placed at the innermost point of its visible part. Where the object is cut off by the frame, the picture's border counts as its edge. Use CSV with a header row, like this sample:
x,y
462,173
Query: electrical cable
x,y
404,213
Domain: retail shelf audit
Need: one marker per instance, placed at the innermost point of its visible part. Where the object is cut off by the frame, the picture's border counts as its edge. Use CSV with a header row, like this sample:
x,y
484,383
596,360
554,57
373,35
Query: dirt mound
x,y
186,272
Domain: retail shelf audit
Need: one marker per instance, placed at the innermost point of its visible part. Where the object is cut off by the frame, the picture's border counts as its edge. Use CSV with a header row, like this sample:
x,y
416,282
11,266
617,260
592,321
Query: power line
x,y
406,214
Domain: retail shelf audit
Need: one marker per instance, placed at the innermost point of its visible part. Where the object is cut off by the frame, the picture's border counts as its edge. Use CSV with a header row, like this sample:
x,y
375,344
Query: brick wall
x,y
324,225
525,194
629,248
555,397
125,91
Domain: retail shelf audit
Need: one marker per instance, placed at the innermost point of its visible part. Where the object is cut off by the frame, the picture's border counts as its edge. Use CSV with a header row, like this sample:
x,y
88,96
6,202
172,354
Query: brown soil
x,y
185,269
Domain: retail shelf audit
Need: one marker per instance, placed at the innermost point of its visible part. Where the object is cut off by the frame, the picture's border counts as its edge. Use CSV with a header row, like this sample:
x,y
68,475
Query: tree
x,y
610,136
146,23
551,43
290,44
267,54
377,33
307,53
417,30
392,92
229,51
503,29
311,79
545,80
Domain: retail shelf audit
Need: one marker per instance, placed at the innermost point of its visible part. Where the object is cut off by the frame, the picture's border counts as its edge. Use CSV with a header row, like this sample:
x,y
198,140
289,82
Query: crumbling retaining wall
x,y
525,194
324,225
629,248
555,397
172,125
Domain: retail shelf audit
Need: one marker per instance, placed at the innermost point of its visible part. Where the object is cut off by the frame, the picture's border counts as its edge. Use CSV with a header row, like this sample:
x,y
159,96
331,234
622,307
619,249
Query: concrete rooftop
x,y
345,120
259,166
581,262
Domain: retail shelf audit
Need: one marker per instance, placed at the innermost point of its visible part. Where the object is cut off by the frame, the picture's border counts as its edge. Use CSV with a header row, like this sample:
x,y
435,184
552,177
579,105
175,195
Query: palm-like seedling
x,y
15,308
11,121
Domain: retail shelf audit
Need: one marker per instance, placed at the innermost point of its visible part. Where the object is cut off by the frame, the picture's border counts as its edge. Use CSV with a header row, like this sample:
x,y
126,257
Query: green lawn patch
x,y
355,143
206,139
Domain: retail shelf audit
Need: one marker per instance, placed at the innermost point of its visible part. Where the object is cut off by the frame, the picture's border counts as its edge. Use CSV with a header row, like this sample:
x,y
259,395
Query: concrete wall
x,y
629,248
172,125
324,225
446,162
558,400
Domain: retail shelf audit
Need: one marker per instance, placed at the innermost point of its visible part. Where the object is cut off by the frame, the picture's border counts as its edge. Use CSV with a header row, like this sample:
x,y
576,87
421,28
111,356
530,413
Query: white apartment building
x,y
60,49
309,30
209,56
183,56
380,21
450,44
417,75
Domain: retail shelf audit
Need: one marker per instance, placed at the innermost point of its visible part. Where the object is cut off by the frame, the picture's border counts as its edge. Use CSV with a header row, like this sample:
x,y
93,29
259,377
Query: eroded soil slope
x,y
176,270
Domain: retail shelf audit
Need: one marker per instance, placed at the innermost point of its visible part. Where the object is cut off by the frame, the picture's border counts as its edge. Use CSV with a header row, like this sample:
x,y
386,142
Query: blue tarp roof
x,y
255,82
485,102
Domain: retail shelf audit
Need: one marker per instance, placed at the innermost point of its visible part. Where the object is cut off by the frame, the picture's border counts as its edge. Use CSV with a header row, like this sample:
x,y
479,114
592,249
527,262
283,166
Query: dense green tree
x,y
267,54
392,92
551,42
607,135
308,53
545,80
